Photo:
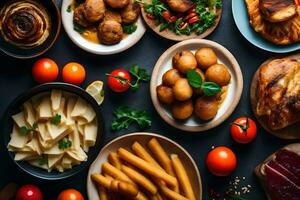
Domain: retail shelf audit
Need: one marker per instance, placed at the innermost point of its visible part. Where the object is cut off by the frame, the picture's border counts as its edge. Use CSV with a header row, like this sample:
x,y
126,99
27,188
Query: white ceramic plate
x,y
235,87
100,49
126,142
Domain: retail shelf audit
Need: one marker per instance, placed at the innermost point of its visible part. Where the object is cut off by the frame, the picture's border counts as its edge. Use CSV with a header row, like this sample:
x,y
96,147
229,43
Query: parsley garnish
x,y
56,119
129,29
140,75
80,29
64,144
125,116
25,130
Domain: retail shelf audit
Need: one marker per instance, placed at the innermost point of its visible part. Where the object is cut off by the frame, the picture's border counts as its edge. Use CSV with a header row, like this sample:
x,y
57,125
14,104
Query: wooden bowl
x,y
290,132
171,35
126,142
234,93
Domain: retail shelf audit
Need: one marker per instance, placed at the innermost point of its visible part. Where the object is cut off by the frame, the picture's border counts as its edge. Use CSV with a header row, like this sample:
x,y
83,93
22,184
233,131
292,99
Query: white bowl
x,y
234,92
100,49
126,142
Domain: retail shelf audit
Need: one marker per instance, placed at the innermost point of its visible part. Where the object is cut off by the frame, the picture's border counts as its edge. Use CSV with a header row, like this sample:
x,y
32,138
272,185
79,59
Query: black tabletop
x,y
15,78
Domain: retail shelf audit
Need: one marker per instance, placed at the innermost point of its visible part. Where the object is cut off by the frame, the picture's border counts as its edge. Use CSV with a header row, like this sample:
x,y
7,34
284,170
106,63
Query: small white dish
x,y
100,49
234,93
126,142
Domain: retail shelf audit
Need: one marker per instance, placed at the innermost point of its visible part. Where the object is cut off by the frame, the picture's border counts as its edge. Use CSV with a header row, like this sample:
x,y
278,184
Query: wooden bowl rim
x,y
172,36
184,151
287,133
236,70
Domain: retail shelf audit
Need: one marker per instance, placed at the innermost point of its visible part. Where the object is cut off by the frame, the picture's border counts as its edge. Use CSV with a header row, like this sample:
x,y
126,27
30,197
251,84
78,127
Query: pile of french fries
x,y
139,176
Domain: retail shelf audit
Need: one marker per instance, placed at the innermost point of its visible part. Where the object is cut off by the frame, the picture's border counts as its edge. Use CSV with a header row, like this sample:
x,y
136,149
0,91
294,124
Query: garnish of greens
x,y
197,20
25,130
129,29
78,28
64,144
208,88
42,161
125,116
56,119
140,74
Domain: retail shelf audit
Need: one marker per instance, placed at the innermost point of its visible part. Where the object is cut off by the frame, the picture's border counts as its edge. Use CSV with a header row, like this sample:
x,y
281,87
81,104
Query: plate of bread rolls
x,y
144,166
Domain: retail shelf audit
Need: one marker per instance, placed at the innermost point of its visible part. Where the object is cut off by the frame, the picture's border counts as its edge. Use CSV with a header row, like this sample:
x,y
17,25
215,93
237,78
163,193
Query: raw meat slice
x,y
290,161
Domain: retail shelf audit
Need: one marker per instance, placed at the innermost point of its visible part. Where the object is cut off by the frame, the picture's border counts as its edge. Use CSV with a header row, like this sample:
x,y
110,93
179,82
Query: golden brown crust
x,y
281,33
279,93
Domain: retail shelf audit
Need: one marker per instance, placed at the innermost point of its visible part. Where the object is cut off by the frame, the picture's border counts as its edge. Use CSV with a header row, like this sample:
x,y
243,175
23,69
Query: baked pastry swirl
x,y
276,20
25,23
279,93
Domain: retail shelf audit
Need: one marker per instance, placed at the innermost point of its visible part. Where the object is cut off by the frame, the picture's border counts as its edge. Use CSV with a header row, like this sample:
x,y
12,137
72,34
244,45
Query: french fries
x,y
128,175
183,178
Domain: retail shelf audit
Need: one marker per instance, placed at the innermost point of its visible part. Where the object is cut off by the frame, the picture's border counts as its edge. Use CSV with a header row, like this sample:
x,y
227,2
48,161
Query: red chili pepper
x,y
166,15
194,20
174,18
150,17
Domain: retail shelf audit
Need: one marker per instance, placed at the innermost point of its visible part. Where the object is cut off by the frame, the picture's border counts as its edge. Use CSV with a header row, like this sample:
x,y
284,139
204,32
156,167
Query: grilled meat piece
x,y
79,17
180,5
131,13
279,93
94,10
110,32
278,10
112,15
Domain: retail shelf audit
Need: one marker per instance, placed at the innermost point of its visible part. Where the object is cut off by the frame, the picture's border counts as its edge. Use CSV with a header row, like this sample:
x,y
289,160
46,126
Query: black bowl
x,y
21,53
14,108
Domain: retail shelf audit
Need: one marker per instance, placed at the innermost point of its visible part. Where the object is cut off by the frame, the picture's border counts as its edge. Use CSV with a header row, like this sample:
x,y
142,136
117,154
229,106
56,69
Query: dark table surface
x,y
15,78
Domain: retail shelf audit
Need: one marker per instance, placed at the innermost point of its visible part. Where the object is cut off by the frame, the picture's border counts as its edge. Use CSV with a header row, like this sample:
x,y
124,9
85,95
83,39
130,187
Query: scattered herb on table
x,y
125,116
25,130
64,144
140,74
208,88
56,119
129,29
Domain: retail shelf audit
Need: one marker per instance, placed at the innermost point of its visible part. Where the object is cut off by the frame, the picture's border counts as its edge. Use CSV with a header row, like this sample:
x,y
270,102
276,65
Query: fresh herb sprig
x,y
64,144
55,120
129,29
125,116
25,130
208,88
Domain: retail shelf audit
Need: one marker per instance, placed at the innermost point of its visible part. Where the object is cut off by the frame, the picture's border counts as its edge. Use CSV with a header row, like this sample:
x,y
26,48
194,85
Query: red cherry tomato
x,y
45,70
298,2
73,73
29,192
221,161
243,130
119,80
70,194
166,15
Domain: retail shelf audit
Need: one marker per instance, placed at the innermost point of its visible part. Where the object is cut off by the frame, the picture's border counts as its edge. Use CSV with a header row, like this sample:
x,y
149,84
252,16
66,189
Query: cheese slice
x,y
37,163
59,168
19,119
78,155
79,108
43,131
58,131
70,107
25,156
89,114
90,133
44,109
54,151
75,138
54,159
24,149
17,139
34,146
61,110
56,96
29,113
66,162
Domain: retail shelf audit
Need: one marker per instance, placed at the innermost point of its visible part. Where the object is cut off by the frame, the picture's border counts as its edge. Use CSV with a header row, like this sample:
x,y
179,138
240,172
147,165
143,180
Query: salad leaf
x,y
194,79
125,116
64,144
210,88
56,119
129,29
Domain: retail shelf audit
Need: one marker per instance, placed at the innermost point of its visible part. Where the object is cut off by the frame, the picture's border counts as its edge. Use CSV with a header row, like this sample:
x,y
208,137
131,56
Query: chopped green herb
x,y
140,75
125,116
80,29
69,9
25,130
42,161
129,29
64,144
56,119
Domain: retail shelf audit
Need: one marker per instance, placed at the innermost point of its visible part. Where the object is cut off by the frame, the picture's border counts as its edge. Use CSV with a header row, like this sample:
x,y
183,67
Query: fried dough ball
x,y
94,10
112,15
198,91
110,32
206,57
218,74
131,13
79,17
182,90
170,77
165,94
182,110
184,61
180,5
206,108
117,3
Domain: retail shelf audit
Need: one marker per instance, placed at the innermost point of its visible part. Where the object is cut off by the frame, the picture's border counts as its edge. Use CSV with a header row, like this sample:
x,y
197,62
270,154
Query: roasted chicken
x,y
278,10
180,5
94,10
130,13
79,17
279,93
110,32
112,15
118,4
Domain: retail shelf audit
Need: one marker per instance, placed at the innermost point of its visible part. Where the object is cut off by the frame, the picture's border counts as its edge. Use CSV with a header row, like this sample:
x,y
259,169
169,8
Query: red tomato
x,y
221,161
243,130
119,80
29,192
70,194
45,70
73,73
166,15
298,2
